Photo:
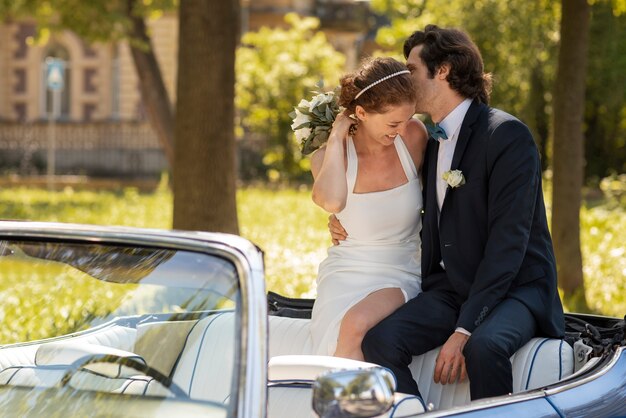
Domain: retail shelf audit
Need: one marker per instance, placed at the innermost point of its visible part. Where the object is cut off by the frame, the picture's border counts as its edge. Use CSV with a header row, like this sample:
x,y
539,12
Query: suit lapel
x,y
431,190
430,248
465,133
464,137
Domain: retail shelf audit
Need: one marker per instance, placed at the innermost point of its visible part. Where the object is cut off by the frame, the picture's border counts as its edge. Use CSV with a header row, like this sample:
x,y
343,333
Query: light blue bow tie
x,y
436,132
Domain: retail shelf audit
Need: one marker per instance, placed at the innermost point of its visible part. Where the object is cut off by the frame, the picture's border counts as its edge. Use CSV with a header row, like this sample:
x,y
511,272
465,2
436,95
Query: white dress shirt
x,y
451,124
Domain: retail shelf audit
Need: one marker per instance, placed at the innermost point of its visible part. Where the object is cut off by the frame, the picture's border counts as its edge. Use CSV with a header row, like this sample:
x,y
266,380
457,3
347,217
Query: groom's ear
x,y
443,71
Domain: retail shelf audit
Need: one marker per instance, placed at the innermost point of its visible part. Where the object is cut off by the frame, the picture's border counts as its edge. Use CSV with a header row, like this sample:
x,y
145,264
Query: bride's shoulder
x,y
415,136
415,131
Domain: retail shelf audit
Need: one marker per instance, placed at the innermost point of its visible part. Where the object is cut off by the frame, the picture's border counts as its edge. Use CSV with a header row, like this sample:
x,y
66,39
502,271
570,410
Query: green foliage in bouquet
x,y
313,120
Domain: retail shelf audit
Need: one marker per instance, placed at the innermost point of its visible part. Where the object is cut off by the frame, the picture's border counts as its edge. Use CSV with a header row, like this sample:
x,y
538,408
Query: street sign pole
x,y
54,78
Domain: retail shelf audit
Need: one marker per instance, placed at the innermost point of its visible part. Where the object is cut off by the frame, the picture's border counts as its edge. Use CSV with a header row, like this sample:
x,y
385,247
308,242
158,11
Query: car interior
x,y
192,352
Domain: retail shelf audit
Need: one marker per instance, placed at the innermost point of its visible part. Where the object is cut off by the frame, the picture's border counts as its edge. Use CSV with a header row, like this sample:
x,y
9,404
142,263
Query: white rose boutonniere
x,y
454,178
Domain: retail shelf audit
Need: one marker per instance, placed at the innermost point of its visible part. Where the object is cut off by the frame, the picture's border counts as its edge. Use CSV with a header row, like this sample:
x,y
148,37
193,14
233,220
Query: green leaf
x,y
308,146
318,112
305,110
329,114
304,125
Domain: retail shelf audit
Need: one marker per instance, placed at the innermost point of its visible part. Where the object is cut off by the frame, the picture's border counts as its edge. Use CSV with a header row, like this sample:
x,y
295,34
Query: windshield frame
x,y
250,374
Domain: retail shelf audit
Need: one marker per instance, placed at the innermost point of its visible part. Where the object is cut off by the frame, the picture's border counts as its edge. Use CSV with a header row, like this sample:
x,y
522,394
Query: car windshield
x,y
89,318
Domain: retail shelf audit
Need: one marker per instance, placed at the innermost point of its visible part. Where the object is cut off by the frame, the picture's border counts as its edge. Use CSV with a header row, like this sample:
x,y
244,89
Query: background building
x,y
96,119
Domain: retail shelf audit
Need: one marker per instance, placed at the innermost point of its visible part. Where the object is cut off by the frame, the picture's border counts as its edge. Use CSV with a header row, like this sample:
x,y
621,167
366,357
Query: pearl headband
x,y
380,81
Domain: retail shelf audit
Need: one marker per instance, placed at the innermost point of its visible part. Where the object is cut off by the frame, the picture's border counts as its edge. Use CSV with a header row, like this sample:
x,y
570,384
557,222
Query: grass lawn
x,y
292,232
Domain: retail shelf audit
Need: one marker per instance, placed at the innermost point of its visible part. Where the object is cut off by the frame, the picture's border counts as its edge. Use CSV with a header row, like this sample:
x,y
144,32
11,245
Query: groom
x,y
488,268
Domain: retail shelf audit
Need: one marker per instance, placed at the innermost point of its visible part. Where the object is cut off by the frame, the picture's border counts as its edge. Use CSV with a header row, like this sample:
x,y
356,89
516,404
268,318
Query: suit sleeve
x,y
514,180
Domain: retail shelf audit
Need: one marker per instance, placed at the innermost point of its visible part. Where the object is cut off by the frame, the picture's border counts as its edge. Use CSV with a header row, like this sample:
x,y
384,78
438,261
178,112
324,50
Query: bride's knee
x,y
355,324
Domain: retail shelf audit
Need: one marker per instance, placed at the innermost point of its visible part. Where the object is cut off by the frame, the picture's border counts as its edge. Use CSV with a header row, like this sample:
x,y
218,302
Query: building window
x,y
60,54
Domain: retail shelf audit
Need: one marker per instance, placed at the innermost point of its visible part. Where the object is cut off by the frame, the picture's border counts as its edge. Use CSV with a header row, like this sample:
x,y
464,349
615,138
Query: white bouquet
x,y
312,120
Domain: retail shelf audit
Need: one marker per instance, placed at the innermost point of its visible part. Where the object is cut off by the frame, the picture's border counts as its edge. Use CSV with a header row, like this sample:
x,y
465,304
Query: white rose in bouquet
x,y
300,120
302,134
313,120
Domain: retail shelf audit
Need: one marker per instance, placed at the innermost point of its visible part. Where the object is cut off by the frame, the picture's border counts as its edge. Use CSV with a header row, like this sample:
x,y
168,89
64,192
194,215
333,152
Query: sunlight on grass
x,y
44,299
603,241
127,207
292,232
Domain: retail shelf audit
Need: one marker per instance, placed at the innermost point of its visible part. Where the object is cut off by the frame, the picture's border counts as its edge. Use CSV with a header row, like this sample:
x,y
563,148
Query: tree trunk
x,y
153,91
204,163
568,155
539,121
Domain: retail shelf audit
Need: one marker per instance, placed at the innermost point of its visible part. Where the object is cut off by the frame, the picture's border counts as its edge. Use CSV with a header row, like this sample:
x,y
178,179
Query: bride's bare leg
x,y
363,316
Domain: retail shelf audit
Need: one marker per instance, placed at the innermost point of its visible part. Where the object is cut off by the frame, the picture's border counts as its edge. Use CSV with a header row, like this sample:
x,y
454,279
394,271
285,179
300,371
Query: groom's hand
x,y
337,232
450,365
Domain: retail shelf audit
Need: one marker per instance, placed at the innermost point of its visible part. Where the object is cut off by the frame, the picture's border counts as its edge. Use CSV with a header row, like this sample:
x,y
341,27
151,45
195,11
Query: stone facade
x,y
100,80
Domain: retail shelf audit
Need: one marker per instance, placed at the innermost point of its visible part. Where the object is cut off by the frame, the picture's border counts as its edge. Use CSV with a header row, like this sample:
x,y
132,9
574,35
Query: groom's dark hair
x,y
454,47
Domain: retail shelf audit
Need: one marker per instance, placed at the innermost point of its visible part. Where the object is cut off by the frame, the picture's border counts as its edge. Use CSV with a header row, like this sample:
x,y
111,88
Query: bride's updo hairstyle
x,y
369,88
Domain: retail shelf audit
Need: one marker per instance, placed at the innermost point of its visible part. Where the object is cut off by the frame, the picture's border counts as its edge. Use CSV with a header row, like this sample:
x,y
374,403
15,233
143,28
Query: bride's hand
x,y
342,124
337,232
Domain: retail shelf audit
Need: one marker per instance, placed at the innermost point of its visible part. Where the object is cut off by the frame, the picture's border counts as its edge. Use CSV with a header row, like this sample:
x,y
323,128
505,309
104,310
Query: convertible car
x,y
100,321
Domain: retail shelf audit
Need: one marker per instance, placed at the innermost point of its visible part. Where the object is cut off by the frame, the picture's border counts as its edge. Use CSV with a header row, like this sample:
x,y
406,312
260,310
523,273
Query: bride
x,y
368,177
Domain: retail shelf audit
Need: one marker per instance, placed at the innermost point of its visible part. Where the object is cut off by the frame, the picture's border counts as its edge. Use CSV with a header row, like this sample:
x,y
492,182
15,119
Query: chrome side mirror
x,y
353,393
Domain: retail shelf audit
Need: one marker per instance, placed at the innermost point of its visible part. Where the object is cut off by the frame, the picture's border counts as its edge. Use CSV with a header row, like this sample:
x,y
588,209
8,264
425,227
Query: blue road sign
x,y
55,73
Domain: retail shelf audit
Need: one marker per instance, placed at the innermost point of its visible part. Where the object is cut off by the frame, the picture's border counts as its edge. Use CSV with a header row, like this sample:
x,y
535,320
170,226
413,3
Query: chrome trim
x,y
487,403
584,378
247,259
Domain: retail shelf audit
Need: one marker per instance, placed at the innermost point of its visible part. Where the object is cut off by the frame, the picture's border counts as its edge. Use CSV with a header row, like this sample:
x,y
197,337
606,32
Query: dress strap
x,y
353,165
405,158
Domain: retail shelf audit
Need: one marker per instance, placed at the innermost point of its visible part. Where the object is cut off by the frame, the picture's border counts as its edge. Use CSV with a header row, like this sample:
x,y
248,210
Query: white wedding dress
x,y
382,249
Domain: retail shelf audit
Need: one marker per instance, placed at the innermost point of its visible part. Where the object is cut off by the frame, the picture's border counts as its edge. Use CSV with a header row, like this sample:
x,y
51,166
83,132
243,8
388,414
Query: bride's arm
x,y
328,166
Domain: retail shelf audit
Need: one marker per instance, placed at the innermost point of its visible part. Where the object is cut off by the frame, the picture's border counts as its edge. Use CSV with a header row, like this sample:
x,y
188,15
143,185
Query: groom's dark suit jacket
x,y
492,233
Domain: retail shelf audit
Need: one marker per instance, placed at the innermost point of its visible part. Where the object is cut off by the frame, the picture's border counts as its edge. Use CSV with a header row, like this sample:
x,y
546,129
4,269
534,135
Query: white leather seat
x,y
43,365
289,336
161,342
538,363
205,366
201,369
115,336
210,348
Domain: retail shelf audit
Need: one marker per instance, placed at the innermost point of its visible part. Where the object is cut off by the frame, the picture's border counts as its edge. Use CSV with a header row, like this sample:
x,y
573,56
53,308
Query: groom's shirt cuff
x,y
463,331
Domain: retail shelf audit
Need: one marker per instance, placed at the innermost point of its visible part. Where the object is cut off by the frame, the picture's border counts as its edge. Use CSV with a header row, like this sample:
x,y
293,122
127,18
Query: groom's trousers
x,y
428,320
